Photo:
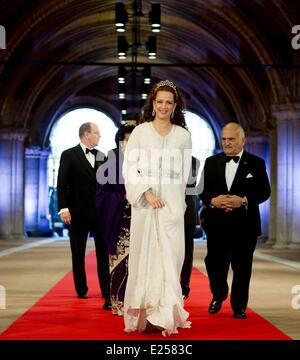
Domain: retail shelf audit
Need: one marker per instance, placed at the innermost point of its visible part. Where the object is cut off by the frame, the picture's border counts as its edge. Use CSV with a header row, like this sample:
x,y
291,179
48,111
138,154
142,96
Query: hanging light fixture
x,y
129,72
144,92
151,47
122,47
154,17
124,107
121,17
147,74
121,74
122,91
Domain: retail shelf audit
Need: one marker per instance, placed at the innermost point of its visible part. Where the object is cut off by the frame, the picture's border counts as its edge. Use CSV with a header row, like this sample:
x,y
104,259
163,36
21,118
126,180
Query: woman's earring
x,y
172,114
153,112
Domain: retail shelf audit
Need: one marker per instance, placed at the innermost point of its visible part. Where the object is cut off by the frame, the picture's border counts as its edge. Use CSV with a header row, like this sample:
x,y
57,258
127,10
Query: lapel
x,y
84,161
221,173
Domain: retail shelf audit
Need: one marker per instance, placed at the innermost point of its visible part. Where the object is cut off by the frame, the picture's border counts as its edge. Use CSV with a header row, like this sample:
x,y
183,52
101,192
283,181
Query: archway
x,y
203,139
63,135
203,143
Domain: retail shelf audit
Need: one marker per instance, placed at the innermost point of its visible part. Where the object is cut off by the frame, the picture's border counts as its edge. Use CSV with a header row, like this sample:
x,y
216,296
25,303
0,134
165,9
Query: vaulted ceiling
x,y
62,54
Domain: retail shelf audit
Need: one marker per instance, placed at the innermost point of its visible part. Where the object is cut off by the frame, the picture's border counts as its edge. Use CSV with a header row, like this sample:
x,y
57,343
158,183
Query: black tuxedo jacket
x,y
251,180
191,212
76,182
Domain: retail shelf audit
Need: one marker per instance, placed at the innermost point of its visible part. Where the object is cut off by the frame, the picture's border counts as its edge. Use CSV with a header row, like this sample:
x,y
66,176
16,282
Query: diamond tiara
x,y
169,84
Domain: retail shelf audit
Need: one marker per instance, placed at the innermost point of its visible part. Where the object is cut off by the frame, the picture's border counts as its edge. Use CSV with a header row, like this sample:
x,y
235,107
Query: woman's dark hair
x,y
165,85
123,129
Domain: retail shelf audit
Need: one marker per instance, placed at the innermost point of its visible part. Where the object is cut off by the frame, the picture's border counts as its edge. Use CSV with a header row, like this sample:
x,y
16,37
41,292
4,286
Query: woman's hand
x,y
153,200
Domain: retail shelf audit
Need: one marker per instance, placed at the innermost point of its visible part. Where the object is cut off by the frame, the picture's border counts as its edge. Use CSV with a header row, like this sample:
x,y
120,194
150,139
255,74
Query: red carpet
x,y
59,315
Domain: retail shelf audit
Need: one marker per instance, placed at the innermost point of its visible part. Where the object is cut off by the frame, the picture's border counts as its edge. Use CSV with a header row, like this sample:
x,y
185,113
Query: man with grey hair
x,y
235,183
76,190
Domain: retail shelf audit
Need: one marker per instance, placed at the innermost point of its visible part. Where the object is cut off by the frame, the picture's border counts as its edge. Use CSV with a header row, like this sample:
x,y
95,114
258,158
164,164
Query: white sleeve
x,y
135,184
187,160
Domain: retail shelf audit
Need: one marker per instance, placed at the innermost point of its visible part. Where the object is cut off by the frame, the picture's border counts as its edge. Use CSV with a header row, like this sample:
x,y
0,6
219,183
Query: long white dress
x,y
156,252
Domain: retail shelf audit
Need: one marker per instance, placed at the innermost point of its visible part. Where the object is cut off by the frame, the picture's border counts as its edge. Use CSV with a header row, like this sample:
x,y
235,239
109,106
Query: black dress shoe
x,y
215,306
240,314
83,296
185,294
107,305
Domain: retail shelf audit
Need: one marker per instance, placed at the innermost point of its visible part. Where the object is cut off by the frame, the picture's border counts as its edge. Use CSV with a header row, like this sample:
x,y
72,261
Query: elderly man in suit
x,y
235,183
76,190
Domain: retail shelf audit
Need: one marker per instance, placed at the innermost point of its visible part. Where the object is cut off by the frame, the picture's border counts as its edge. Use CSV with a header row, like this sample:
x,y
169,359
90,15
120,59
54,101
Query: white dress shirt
x,y
230,170
90,157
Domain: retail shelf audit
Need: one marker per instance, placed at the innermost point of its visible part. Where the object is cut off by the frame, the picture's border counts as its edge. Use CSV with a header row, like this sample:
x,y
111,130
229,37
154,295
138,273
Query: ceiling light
x,y
121,74
154,17
124,107
121,16
122,47
151,47
122,91
147,74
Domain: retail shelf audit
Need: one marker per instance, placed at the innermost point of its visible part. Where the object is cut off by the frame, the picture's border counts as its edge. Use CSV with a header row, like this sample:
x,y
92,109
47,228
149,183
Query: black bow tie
x,y
93,151
234,158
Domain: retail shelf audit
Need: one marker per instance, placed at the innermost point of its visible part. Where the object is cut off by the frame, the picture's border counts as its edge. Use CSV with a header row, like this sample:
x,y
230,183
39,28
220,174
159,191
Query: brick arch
x,y
209,33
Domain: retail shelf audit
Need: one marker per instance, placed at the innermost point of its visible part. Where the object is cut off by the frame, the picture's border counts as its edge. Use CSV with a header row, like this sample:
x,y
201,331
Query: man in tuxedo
x,y
76,190
235,183
190,222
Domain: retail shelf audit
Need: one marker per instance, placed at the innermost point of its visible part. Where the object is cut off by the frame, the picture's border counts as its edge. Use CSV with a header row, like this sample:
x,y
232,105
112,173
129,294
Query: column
x,y
258,144
12,184
295,236
288,175
36,192
273,181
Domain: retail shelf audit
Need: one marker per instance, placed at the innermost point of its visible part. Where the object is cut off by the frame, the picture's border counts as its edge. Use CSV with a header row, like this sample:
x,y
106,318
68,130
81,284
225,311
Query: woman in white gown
x,y
156,167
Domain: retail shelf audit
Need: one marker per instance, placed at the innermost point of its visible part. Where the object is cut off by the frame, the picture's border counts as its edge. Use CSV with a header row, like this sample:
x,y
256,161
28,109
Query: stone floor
x,y
29,268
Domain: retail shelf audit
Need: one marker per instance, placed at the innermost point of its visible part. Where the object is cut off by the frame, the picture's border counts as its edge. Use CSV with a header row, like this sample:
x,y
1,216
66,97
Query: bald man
x,y
235,183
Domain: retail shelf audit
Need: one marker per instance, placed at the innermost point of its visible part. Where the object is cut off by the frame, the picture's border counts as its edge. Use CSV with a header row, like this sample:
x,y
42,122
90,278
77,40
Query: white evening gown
x,y
156,253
